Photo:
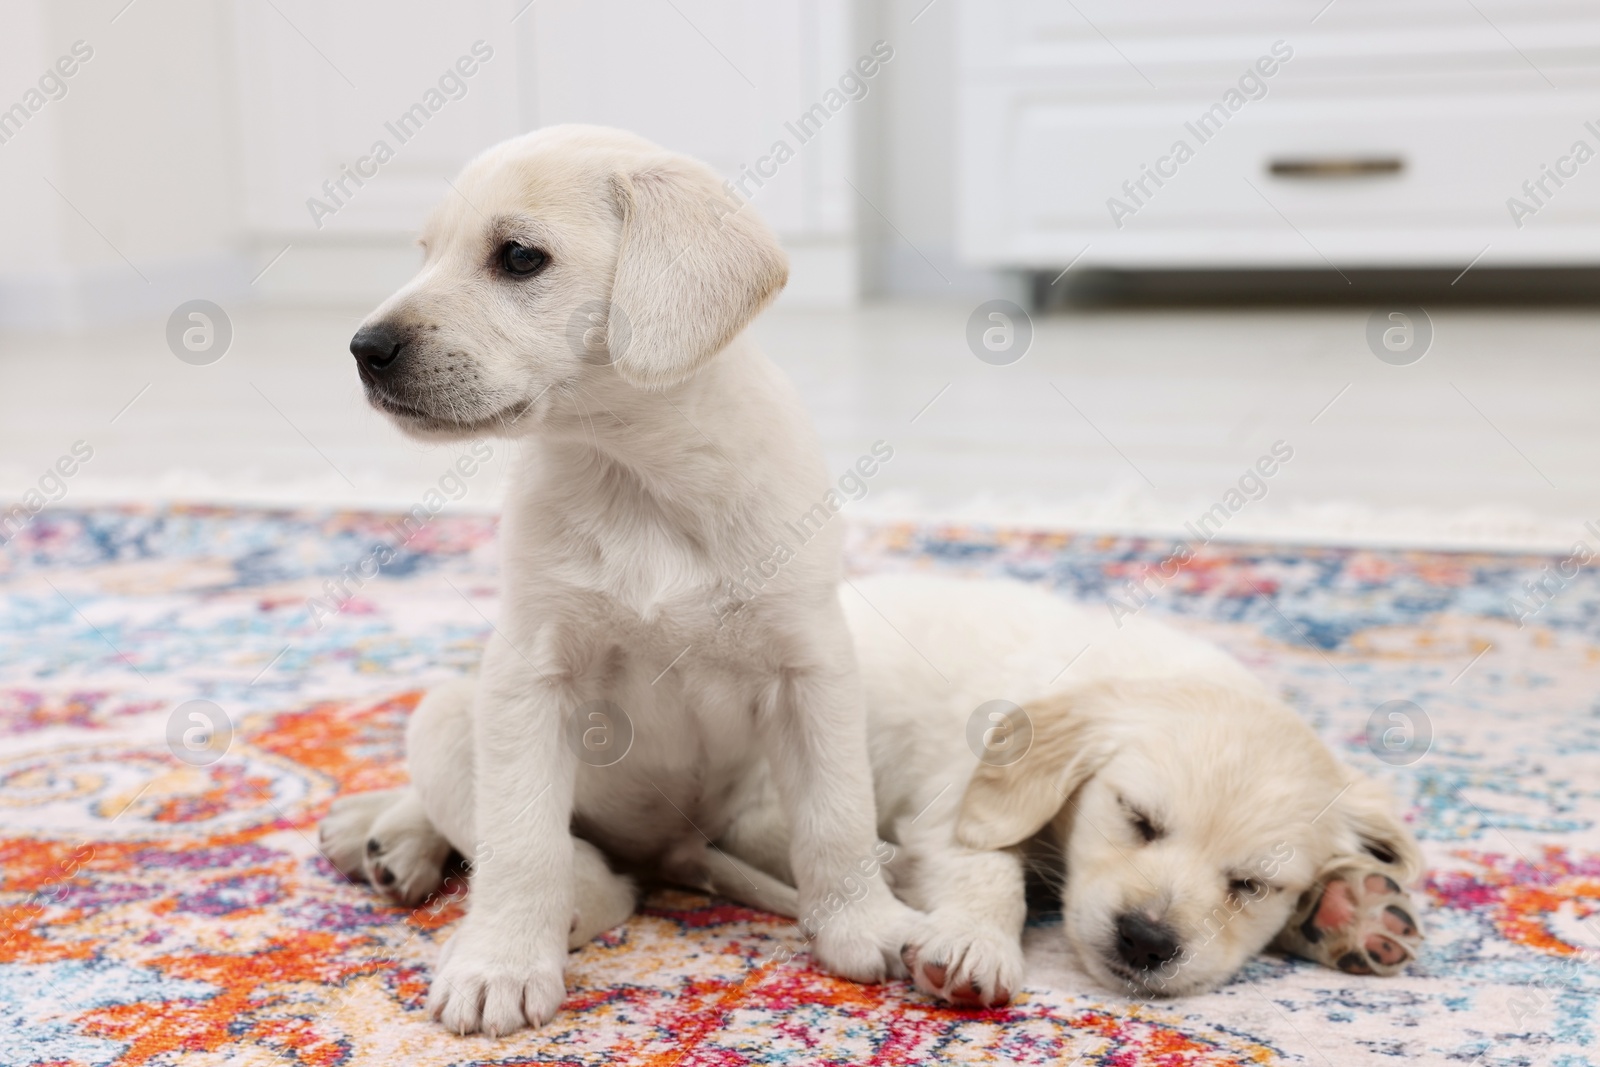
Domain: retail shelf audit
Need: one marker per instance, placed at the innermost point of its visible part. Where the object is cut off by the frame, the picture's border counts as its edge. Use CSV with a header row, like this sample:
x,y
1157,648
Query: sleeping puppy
x,y
1189,817
585,292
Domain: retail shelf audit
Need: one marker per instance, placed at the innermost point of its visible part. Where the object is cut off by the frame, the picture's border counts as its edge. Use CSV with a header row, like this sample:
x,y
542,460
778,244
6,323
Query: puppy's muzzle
x,y
1145,944
377,349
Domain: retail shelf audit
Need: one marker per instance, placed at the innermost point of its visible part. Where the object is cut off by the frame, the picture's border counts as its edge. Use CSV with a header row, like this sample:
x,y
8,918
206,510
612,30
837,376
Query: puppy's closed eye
x,y
1379,851
1146,827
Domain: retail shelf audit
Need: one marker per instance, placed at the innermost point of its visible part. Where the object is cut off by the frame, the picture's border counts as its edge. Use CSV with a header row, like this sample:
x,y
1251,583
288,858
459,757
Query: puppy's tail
x,y
735,879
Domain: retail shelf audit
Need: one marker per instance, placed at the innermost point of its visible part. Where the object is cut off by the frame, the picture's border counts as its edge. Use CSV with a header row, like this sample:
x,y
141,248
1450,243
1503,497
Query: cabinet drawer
x,y
1037,165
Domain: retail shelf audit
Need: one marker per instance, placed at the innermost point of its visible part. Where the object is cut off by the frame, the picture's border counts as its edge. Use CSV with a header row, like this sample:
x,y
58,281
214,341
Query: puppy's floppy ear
x,y
1371,828
1005,805
694,267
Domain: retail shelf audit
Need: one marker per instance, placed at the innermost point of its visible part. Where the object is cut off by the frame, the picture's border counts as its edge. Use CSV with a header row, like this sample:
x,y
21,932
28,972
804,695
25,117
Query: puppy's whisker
x,y
1052,877
1046,859
1048,868
504,422
594,436
608,411
568,390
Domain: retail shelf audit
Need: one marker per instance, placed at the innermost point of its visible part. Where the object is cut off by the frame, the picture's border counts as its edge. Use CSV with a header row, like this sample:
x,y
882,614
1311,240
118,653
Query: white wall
x,y
714,78
140,152
194,136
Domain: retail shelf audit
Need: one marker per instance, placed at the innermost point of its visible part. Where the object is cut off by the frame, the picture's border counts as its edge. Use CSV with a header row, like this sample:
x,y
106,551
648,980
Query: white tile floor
x,y
1125,419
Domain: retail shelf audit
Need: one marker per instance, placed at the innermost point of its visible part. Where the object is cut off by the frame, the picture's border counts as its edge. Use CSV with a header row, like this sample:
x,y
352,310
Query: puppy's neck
x,y
724,456
670,441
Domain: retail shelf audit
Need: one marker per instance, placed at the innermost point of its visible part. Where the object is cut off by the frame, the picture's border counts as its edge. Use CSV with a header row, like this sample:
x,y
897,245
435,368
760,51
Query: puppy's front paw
x,y
861,940
484,984
962,963
1358,919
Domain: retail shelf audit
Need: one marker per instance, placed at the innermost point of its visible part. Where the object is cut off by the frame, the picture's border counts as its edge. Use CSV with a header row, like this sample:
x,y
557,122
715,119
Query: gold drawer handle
x,y
1337,167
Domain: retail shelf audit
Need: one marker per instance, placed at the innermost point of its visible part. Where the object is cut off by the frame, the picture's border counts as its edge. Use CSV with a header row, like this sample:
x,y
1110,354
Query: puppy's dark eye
x,y
1147,829
520,259
1245,887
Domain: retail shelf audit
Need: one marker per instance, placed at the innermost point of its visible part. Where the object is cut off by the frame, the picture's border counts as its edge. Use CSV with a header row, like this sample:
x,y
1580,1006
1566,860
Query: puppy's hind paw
x,y
345,830
384,838
405,856
1357,919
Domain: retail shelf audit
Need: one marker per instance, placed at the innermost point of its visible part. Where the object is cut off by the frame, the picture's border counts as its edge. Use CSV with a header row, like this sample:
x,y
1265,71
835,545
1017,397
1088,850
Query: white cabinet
x,y
1245,134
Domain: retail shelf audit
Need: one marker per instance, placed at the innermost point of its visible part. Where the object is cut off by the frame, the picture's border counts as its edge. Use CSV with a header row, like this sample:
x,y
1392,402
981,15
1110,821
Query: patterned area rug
x,y
157,910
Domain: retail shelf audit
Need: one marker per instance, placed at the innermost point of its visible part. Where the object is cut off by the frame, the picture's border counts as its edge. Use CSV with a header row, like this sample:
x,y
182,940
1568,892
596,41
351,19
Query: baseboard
x,y
936,271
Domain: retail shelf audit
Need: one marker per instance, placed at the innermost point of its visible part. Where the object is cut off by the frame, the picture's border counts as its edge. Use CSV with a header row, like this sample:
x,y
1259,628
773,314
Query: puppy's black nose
x,y
1143,943
376,348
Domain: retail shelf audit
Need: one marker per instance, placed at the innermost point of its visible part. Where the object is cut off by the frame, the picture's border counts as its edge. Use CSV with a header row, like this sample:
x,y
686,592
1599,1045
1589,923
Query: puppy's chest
x,y
647,575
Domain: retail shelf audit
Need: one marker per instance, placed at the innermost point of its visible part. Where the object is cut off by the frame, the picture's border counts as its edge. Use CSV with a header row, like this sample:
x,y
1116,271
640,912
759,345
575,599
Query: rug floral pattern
x,y
154,911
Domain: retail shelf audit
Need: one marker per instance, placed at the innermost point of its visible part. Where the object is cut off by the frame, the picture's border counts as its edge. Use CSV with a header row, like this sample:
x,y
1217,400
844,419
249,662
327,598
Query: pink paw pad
x,y
960,990
1358,920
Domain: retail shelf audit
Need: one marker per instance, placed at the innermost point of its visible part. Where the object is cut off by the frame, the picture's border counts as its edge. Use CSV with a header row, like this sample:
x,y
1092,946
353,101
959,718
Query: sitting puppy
x,y
586,292
1188,817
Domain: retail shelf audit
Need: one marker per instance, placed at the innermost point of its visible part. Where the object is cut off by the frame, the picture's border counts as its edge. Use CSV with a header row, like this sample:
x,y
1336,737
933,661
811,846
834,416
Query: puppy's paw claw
x,y
474,991
1358,920
962,965
345,833
405,858
385,838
